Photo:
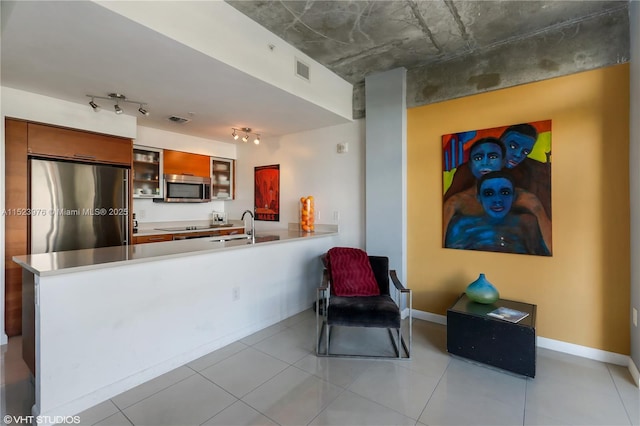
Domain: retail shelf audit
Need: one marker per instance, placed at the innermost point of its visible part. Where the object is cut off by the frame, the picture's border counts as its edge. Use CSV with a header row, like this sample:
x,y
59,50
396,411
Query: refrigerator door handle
x,y
125,202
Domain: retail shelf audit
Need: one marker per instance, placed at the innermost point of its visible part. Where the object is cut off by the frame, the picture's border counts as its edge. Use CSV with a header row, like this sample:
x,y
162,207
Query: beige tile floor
x,y
274,378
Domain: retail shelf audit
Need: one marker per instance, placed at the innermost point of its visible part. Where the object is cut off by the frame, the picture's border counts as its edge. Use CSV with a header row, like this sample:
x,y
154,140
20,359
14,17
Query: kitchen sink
x,y
259,238
266,238
231,237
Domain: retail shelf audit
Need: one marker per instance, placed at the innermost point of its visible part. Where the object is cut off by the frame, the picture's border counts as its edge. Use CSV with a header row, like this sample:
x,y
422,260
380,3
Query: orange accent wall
x,y
582,291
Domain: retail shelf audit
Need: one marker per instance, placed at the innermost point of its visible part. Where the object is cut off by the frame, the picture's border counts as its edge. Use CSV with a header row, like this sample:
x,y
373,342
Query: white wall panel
x,y
104,331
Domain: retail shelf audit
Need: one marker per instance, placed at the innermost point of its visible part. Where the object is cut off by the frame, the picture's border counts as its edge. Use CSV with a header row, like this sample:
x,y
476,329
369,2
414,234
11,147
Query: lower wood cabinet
x,y
140,239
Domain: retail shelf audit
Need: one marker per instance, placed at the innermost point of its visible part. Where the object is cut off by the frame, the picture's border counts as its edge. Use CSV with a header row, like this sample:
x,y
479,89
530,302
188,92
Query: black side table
x,y
474,335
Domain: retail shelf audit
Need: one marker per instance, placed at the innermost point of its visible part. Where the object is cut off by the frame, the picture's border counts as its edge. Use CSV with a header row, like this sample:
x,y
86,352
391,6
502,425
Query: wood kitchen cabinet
x,y
223,176
147,172
15,225
141,239
24,139
57,142
186,163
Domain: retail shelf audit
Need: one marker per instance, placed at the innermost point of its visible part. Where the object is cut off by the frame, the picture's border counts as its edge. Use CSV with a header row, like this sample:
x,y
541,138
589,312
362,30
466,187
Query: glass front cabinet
x,y
222,178
147,172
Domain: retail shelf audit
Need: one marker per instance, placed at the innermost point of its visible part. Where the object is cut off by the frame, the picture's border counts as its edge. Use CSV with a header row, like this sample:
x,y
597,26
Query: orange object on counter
x,y
307,214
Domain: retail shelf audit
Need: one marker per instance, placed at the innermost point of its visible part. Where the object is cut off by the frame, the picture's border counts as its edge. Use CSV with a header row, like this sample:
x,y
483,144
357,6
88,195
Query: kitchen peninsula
x,y
109,319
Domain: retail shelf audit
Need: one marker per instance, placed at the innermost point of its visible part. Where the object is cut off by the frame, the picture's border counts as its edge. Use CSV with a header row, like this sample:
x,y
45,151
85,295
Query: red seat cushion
x,y
351,273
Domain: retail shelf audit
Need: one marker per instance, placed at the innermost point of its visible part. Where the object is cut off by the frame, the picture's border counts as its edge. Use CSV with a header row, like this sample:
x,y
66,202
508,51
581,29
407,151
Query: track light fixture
x,y
247,132
94,105
118,98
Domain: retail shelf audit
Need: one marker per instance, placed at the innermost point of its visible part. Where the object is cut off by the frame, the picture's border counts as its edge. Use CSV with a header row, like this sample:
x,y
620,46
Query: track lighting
x,y
247,132
118,98
94,105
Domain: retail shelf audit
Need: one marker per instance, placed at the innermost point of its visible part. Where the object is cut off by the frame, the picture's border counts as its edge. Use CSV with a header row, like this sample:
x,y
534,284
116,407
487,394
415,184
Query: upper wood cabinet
x,y
186,163
223,176
147,172
57,142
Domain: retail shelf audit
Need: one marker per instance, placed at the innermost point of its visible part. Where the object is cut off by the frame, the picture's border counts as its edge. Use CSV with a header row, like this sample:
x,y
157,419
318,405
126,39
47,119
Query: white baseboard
x,y
557,345
583,351
428,316
3,339
633,369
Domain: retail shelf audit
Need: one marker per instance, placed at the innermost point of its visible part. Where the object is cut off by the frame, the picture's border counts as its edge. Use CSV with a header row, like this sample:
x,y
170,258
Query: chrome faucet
x,y
253,224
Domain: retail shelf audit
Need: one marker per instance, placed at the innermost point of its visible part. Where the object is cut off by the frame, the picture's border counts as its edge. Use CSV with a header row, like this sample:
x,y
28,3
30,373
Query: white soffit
x,y
66,50
222,32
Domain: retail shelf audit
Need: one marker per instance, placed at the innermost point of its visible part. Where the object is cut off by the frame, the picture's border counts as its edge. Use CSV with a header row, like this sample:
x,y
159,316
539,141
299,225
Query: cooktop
x,y
192,227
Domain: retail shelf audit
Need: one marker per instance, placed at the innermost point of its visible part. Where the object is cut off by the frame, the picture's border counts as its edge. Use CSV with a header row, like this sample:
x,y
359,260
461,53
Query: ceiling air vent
x,y
302,69
178,120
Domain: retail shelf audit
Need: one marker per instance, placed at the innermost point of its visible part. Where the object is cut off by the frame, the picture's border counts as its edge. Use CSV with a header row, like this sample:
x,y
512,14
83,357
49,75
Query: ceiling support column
x,y
385,167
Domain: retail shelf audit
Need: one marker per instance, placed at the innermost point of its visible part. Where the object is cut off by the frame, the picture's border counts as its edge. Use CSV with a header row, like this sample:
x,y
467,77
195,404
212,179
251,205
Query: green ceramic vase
x,y
482,291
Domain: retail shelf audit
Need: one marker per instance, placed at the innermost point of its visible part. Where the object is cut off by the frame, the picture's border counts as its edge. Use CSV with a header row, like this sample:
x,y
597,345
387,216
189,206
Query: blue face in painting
x,y
518,147
485,158
496,196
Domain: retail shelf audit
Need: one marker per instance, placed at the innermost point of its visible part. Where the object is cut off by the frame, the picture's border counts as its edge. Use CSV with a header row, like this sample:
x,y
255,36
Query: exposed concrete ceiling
x,y
451,48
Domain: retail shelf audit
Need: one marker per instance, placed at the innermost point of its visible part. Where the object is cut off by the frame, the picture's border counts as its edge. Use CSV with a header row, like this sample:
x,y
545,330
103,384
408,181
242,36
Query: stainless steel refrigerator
x,y
77,206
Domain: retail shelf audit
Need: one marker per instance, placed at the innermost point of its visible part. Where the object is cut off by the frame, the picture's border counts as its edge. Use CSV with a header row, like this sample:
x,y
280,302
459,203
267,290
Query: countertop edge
x,y
190,248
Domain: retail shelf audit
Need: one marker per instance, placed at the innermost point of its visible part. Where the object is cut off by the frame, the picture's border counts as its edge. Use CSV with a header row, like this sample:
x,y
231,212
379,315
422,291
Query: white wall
x,y
148,211
310,165
44,109
180,142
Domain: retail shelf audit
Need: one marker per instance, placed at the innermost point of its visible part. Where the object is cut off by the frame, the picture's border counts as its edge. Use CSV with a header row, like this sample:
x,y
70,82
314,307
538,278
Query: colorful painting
x,y
267,193
497,189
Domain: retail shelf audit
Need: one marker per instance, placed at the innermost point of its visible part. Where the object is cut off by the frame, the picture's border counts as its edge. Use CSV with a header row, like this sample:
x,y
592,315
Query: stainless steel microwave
x,y
186,189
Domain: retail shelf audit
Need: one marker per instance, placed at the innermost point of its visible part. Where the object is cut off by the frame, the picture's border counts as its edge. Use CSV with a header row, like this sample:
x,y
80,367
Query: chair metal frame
x,y
323,299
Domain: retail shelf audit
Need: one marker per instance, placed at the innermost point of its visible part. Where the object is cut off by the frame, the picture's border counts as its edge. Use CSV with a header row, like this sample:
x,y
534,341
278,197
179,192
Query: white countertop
x,y
45,264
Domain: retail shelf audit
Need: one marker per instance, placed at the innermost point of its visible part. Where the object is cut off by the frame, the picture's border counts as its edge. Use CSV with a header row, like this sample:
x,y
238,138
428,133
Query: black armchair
x,y
379,310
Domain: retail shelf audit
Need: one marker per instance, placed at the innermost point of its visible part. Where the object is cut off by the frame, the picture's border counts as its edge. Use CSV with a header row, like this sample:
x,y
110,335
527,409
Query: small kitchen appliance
x,y
186,189
218,218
